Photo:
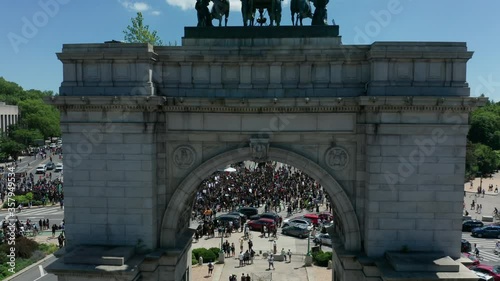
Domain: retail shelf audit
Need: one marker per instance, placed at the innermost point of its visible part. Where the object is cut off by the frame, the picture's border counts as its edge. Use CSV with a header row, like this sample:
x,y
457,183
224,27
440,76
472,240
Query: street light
x,y
222,240
308,244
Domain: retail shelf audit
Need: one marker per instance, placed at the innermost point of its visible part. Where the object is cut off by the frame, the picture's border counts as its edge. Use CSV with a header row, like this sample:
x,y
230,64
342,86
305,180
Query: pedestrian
x,y
210,268
248,278
289,256
60,240
243,278
233,249
54,227
283,253
271,261
483,192
240,257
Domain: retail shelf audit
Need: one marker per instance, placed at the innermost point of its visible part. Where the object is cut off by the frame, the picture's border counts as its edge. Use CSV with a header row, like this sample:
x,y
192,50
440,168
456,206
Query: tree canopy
x,y
37,119
483,148
140,33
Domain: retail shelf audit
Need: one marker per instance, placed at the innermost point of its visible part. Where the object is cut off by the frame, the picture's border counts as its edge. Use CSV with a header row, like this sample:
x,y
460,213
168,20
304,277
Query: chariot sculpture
x,y
299,10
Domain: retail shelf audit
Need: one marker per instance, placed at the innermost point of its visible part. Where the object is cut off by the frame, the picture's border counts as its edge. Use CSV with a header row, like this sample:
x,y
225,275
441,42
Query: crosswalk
x,y
486,247
35,213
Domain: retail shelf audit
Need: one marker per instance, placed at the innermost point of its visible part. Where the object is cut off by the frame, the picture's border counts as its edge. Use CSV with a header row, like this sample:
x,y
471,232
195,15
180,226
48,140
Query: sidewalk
x,y
494,180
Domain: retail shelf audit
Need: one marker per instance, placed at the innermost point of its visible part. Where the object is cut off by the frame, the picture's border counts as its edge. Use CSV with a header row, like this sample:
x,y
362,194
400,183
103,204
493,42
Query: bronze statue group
x,y
299,10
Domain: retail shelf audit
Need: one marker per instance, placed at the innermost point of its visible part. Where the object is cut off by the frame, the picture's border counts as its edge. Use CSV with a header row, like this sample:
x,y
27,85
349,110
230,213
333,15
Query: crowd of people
x,y
275,186
45,189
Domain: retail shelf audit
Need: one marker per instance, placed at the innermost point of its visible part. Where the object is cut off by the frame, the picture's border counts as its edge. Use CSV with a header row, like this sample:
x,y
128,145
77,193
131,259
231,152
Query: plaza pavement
x,y
284,271
489,201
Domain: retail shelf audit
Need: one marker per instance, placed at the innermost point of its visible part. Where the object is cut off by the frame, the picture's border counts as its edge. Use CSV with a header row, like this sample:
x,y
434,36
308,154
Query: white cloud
x,y
156,13
183,4
135,6
140,6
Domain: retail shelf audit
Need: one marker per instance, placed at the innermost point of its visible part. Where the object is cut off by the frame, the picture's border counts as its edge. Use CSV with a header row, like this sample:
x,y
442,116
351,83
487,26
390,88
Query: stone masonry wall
x,y
415,166
109,179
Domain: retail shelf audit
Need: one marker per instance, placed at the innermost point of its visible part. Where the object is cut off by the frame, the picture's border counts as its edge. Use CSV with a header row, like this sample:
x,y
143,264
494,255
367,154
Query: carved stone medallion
x,y
337,158
259,148
184,156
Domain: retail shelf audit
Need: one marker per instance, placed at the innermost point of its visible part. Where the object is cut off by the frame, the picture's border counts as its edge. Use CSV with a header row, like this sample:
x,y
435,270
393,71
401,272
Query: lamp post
x,y
221,253
308,244
308,259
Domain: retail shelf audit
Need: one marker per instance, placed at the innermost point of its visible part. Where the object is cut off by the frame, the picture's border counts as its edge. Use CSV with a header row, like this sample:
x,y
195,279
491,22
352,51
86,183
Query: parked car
x,y
248,211
243,217
488,269
472,257
469,225
271,215
483,276
298,220
59,167
295,230
326,216
258,224
41,169
466,246
51,166
313,217
324,238
225,219
489,231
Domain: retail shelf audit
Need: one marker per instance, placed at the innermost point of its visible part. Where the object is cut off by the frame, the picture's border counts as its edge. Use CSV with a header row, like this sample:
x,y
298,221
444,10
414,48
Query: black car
x,y
466,246
243,217
225,219
469,225
248,211
51,166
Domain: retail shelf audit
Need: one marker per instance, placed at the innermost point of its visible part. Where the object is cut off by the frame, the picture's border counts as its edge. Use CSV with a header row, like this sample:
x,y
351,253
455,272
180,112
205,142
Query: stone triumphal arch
x,y
382,127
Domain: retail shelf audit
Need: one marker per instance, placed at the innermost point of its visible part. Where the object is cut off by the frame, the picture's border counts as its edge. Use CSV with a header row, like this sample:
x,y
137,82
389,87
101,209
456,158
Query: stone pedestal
x,y
97,263
221,257
308,260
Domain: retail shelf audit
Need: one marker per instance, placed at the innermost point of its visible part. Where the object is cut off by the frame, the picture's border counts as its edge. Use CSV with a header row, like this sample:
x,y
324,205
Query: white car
x,y
324,238
59,167
41,169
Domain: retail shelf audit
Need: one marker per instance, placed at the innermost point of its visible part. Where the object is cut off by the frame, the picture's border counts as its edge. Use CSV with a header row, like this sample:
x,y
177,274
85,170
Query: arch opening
x,y
184,196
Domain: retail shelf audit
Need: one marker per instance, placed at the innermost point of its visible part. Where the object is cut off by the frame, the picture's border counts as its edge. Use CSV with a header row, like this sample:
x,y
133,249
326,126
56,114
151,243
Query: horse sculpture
x,y
247,12
303,10
220,9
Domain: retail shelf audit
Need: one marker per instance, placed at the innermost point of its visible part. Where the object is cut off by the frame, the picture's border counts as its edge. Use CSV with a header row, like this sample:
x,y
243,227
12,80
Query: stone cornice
x,y
155,103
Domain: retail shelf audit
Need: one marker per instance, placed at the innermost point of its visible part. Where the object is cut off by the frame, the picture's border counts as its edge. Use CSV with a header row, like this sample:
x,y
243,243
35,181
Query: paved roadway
x,y
37,273
54,213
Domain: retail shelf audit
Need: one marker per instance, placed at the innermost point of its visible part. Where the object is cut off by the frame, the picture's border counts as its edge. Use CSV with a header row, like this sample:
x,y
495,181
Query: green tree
x,y
487,160
11,148
140,33
25,136
485,126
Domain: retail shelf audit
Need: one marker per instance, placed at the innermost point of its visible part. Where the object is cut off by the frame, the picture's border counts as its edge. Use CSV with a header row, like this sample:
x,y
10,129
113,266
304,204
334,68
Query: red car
x,y
472,257
488,269
326,216
258,224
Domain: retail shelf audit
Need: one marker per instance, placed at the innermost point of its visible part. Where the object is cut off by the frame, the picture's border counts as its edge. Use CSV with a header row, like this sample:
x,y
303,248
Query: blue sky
x,y
28,57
